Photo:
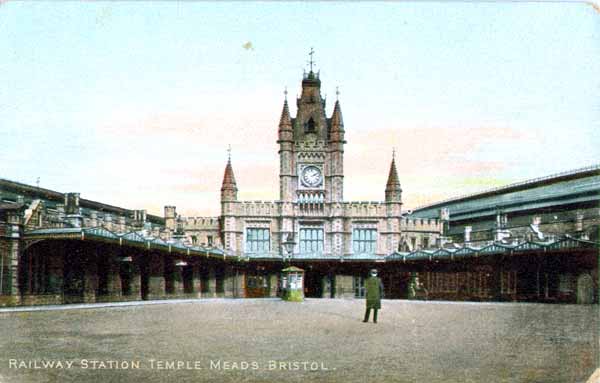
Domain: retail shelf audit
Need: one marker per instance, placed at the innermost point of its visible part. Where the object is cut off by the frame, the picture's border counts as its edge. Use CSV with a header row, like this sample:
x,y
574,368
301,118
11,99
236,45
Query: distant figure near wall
x,y
585,289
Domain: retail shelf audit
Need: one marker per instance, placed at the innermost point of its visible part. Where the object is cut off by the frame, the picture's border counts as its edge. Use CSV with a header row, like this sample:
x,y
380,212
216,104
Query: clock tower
x,y
311,149
311,220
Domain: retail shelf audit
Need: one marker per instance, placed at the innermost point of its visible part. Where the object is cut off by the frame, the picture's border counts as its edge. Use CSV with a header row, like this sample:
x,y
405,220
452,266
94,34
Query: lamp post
x,y
289,244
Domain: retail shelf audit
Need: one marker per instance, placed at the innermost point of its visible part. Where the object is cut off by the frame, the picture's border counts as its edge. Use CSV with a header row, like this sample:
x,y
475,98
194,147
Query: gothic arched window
x,y
310,126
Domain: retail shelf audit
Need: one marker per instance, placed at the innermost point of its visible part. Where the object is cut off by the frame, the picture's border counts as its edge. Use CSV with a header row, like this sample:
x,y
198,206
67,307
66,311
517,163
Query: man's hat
x,y
373,271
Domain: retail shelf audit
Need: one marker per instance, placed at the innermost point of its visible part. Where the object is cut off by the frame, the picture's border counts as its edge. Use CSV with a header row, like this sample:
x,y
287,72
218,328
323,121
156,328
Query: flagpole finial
x,y
311,61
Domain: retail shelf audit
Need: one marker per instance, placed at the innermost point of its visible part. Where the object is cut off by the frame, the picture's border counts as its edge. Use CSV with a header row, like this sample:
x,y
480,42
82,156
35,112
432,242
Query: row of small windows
x,y
311,240
364,241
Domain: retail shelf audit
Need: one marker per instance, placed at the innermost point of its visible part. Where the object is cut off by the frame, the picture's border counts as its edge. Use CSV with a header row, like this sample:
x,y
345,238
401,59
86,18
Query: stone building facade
x,y
60,248
531,241
311,210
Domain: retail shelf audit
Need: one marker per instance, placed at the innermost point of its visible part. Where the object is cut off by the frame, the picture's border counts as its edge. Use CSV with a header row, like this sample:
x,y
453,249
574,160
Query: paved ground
x,y
269,340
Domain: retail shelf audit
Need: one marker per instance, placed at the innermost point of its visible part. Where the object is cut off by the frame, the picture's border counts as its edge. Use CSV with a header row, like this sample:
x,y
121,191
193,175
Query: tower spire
x,y
285,121
337,122
229,186
393,191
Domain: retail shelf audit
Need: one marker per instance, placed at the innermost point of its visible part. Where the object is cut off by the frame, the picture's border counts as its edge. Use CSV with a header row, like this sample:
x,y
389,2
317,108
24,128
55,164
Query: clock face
x,y
311,176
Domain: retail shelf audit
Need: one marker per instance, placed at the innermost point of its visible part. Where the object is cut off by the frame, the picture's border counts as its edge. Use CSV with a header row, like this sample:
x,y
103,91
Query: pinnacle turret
x,y
393,191
337,124
285,122
336,118
229,186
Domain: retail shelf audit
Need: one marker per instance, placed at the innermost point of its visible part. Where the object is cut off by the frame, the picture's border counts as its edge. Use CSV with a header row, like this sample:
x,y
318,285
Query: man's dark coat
x,y
374,289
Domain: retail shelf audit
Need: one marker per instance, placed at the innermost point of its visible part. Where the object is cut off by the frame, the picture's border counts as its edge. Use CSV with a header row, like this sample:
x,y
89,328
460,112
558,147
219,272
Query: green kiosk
x,y
292,283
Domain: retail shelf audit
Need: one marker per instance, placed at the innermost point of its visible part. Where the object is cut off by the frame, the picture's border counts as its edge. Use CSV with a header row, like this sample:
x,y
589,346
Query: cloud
x,y
181,151
210,121
253,180
454,151
433,162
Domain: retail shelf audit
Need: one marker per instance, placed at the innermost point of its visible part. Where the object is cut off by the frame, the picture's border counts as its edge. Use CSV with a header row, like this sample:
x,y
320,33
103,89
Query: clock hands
x,y
311,176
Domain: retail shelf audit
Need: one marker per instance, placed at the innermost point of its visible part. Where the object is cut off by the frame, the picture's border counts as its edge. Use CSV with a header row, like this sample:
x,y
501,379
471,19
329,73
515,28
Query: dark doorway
x,y
332,285
125,271
73,269
529,280
395,284
204,287
528,283
313,284
169,273
102,276
220,280
144,277
188,279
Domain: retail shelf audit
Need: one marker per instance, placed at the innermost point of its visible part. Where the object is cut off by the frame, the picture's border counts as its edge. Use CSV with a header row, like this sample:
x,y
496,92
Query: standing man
x,y
374,293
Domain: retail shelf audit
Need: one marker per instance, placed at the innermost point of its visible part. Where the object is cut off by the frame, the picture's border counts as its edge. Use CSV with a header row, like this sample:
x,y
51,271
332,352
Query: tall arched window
x,y
310,126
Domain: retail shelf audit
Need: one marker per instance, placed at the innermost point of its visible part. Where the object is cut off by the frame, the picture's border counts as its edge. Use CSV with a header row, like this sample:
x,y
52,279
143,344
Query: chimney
x,y
72,210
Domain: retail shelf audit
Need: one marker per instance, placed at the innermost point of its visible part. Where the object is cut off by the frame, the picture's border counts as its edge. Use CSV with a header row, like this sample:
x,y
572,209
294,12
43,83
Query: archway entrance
x,y
313,284
73,278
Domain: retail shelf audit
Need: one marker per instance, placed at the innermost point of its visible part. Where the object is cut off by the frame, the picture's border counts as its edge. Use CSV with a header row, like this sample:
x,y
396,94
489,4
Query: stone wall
x,y
204,231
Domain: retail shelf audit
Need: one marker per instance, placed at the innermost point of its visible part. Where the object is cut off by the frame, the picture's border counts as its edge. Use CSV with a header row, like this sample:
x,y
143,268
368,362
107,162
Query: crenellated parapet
x,y
364,209
420,224
199,223
204,231
257,208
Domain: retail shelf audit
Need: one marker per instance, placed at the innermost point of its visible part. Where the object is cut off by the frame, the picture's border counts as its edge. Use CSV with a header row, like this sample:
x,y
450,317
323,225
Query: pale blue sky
x,y
133,104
